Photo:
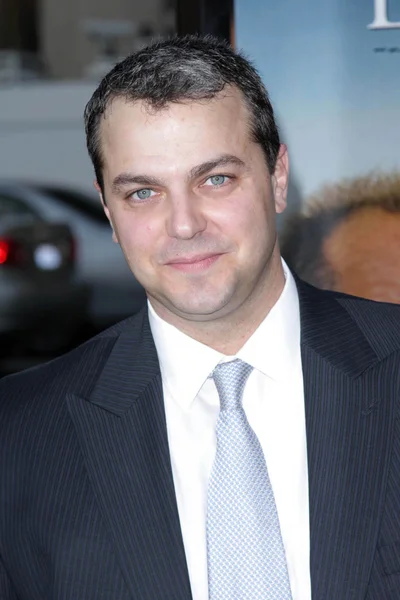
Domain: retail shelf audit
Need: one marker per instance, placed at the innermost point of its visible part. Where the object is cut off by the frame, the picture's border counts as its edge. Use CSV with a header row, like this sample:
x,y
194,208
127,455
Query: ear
x,y
280,179
106,210
98,189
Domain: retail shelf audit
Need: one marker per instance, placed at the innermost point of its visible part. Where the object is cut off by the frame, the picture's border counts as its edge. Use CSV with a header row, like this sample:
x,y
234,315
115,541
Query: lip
x,y
193,263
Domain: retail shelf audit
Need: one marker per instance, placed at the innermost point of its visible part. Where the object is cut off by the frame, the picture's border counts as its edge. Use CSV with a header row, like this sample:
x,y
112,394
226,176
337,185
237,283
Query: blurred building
x,y
52,54
76,38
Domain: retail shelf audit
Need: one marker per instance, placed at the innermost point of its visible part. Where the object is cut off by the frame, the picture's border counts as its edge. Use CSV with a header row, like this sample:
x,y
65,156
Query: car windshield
x,y
83,203
12,207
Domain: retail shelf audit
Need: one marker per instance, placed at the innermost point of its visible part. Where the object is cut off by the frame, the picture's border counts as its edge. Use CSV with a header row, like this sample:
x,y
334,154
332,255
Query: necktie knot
x,y
230,379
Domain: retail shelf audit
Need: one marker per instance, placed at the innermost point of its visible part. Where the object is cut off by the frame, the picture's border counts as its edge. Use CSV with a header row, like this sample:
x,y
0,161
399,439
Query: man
x,y
237,439
348,238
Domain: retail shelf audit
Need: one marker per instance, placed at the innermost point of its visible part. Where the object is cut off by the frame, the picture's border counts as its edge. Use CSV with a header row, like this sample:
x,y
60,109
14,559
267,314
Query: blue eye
x,y
142,194
217,180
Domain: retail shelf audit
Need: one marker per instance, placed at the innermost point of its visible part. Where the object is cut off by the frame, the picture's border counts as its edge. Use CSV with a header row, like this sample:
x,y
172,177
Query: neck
x,y
229,333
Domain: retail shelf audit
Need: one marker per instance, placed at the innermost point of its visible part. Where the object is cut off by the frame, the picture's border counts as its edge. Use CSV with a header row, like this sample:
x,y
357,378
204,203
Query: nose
x,y
185,218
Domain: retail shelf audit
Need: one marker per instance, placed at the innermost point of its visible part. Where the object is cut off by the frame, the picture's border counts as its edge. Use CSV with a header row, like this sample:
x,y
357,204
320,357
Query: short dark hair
x,y
186,68
304,233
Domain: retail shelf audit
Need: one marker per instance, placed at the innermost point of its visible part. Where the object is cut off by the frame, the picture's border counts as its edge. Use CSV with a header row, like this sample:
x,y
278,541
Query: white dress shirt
x,y
274,404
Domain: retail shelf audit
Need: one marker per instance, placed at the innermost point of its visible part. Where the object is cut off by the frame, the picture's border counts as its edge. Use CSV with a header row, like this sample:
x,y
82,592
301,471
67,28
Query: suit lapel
x,y
122,432
349,419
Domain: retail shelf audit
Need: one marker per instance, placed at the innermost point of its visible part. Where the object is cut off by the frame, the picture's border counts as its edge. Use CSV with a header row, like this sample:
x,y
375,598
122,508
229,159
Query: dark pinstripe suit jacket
x,y
88,509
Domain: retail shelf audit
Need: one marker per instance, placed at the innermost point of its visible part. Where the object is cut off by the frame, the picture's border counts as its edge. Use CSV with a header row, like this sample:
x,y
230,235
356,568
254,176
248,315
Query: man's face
x,y
364,253
192,203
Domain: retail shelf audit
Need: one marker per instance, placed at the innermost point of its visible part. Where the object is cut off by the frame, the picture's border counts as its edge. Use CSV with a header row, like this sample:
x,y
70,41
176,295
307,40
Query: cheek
x,y
237,213
258,233
136,239
244,229
242,218
251,223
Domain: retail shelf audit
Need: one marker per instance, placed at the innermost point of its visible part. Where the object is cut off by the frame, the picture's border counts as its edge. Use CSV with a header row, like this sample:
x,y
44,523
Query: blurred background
x,y
332,73
62,279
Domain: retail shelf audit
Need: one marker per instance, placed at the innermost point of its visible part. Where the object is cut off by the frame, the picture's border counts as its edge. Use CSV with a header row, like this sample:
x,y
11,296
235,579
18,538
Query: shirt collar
x,y
273,348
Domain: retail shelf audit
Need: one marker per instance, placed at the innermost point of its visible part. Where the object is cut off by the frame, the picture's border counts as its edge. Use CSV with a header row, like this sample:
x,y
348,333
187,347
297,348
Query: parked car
x,y
115,294
42,305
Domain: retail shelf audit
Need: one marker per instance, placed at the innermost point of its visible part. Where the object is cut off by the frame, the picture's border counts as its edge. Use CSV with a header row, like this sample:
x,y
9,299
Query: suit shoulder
x,y
346,316
388,314
379,322
47,383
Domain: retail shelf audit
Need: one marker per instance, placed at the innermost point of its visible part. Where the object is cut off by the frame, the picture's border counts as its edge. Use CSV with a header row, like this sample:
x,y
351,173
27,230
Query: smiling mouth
x,y
195,263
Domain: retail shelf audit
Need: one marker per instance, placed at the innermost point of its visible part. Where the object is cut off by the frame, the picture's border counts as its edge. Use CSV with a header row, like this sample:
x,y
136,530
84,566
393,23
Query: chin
x,y
197,308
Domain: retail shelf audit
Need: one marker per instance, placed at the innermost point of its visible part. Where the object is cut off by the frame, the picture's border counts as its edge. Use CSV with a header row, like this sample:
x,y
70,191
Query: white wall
x,y
42,133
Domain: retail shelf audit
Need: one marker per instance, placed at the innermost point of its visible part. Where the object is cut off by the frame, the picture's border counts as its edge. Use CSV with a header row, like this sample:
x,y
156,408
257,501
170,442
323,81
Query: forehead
x,y
363,251
366,242
367,231
133,130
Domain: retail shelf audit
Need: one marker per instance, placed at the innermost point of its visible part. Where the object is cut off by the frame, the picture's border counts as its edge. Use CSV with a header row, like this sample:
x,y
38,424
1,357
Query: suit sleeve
x,y
7,591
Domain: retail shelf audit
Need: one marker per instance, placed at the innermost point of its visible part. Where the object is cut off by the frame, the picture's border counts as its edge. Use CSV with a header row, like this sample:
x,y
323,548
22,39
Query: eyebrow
x,y
220,161
125,179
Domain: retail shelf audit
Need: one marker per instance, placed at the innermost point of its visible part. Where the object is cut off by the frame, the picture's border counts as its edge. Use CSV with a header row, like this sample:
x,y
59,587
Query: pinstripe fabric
x,y
387,559
383,340
53,540
128,462
349,452
352,394
87,505
88,510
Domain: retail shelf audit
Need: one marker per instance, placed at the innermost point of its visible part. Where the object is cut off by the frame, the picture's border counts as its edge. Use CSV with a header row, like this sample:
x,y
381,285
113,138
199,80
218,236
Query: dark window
x,y
19,25
206,16
11,207
84,203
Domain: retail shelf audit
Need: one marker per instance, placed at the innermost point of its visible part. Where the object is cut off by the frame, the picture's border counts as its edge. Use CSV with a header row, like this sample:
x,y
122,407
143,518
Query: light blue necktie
x,y
246,556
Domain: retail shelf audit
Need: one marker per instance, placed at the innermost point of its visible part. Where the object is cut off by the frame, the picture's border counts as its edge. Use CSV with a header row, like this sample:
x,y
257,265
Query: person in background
x,y
236,439
348,238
